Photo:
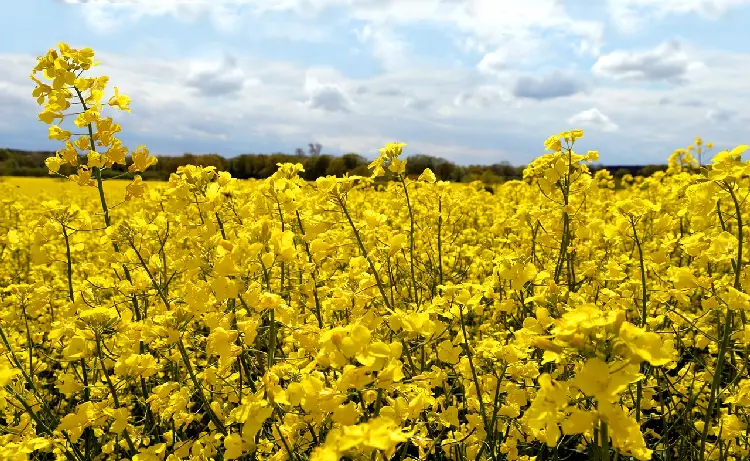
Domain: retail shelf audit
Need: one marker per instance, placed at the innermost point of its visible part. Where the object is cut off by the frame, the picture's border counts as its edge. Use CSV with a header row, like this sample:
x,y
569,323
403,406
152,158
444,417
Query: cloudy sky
x,y
473,81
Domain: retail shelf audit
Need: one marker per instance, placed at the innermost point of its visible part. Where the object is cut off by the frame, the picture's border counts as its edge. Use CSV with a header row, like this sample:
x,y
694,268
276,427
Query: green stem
x,y
86,398
97,170
726,331
318,310
112,391
604,436
644,301
439,239
271,338
475,378
564,242
29,381
411,241
364,253
69,263
76,455
198,389
644,294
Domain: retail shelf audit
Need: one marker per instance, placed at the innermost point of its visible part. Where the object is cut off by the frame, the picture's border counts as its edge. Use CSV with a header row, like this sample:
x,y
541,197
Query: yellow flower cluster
x,y
563,317
98,145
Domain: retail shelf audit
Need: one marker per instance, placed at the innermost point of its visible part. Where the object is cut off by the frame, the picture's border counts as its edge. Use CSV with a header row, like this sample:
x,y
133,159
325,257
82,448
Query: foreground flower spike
x,y
65,67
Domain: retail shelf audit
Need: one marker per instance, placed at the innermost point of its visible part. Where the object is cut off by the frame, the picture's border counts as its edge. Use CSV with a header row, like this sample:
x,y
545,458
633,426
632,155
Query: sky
x,y
472,81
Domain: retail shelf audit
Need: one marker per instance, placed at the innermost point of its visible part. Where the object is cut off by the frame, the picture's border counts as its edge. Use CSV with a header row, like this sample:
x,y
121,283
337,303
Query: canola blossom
x,y
208,318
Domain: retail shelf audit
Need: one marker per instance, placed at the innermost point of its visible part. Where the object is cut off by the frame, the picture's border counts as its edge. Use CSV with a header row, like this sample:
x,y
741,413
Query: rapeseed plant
x,y
563,317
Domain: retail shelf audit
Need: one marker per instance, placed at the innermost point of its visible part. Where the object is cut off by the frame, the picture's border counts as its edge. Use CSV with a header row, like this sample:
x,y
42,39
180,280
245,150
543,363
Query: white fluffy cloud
x,y
593,118
519,72
327,97
553,85
633,15
222,80
667,62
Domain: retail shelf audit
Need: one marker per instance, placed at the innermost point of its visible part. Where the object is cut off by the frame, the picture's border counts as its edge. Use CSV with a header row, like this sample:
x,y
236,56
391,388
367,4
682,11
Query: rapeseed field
x,y
563,317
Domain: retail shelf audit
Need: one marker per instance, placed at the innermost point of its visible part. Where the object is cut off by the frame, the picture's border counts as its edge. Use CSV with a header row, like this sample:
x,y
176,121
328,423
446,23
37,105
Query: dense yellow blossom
x,y
565,316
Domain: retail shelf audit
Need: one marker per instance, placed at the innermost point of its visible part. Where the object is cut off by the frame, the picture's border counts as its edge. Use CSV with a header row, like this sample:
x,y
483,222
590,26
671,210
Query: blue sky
x,y
473,81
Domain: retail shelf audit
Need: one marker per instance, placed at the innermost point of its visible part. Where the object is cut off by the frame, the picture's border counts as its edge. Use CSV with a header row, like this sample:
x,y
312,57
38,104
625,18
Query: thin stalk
x,y
271,338
644,301
411,241
726,332
439,239
318,310
86,398
604,436
475,377
271,321
76,455
112,391
69,263
364,253
29,381
199,390
595,447
644,294
564,242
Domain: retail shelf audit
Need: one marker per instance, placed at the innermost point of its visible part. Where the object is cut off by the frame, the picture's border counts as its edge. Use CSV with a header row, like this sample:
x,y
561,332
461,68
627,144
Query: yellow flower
x,y
235,446
95,160
86,117
397,166
136,365
646,345
136,188
57,133
7,374
427,176
53,164
605,382
120,101
49,115
142,160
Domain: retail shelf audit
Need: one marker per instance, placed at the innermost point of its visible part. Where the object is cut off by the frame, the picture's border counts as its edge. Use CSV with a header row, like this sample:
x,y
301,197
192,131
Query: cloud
x,y
593,117
476,154
390,92
109,16
11,104
387,45
484,24
360,143
509,55
554,85
692,103
327,97
494,62
435,73
224,80
387,92
667,62
418,104
207,128
665,101
484,96
633,15
720,115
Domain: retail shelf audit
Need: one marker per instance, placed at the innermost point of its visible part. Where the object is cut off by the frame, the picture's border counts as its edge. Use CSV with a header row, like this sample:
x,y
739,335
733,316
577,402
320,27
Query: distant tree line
x,y
14,162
